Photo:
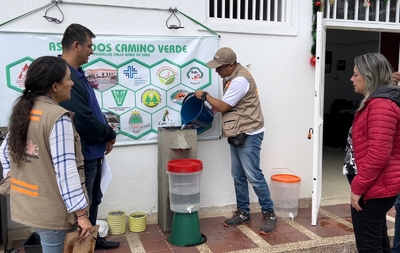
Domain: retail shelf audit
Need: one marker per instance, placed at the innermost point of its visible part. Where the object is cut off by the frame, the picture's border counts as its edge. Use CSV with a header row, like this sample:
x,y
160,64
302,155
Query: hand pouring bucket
x,y
194,111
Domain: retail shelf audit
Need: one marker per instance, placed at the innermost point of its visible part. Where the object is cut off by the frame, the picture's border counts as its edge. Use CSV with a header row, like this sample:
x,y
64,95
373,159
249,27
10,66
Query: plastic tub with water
x,y
184,185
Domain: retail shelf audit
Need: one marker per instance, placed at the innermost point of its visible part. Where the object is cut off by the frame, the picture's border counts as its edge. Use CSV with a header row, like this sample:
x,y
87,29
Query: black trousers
x,y
350,177
370,224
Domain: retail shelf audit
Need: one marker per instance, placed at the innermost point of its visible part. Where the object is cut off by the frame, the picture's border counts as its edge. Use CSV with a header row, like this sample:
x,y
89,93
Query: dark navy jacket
x,y
89,121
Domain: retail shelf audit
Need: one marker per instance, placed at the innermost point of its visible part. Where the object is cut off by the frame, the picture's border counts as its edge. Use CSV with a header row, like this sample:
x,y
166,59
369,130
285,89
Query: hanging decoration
x,y
318,5
367,3
313,60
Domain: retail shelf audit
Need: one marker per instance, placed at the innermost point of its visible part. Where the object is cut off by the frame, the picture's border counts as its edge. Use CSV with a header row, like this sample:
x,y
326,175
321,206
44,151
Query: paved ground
x,y
333,233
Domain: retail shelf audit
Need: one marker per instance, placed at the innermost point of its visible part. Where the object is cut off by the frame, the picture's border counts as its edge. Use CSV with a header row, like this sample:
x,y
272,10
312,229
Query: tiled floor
x,y
334,222
124,246
334,226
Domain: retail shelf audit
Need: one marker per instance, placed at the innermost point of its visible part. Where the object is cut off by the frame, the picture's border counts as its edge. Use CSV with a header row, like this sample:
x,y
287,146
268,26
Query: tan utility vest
x,y
246,116
35,197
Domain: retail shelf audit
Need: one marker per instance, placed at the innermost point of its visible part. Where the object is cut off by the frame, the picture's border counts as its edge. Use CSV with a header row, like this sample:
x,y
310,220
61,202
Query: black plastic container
x,y
32,244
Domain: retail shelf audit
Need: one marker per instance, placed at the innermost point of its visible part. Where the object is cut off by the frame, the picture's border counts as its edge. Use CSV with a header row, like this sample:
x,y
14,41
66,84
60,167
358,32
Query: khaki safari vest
x,y
35,197
246,116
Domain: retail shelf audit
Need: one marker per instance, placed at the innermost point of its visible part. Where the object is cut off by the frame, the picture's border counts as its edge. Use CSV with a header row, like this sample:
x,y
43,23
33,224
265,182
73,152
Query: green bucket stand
x,y
185,230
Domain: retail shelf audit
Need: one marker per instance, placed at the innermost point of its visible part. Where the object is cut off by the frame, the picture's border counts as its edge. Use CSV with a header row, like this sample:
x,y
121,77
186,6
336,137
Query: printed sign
x,y
139,82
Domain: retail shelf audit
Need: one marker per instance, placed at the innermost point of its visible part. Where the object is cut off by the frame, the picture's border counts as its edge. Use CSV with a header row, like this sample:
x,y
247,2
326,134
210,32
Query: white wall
x,y
280,65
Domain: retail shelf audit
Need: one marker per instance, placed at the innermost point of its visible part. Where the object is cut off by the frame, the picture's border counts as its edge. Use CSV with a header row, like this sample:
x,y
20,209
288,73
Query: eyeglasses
x,y
221,67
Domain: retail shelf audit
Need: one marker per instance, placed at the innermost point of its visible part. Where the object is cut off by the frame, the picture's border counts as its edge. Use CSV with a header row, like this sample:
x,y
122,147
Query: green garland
x,y
317,5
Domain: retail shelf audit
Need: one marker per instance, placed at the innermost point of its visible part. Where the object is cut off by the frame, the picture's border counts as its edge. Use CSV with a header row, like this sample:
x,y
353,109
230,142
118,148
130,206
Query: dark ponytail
x,y
41,75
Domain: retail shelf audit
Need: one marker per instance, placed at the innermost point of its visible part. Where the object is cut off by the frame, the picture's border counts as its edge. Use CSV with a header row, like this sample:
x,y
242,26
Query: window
x,y
262,10
278,17
379,11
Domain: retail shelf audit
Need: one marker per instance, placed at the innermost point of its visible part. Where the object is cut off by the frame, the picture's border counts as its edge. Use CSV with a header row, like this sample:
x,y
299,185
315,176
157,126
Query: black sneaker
x,y
102,243
268,223
238,218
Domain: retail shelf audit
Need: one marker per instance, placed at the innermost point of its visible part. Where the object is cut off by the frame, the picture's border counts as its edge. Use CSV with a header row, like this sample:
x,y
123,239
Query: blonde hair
x,y
376,70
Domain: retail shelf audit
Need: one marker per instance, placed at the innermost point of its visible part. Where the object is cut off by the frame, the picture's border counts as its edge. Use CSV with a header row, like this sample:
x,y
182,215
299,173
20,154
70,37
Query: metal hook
x,y
51,19
173,12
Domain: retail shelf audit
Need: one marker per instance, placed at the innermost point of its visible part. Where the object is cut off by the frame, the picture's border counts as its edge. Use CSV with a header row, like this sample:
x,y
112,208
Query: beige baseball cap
x,y
223,56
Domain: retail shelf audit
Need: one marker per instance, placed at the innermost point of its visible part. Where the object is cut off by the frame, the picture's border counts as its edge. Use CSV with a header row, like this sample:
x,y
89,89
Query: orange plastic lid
x,y
286,178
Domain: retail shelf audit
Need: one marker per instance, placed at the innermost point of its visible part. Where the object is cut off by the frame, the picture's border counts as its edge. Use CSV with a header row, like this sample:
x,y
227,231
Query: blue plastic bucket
x,y
194,111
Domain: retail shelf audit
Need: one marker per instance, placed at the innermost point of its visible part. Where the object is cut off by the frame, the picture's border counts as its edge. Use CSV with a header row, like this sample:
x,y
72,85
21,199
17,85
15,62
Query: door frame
x,y
319,97
318,116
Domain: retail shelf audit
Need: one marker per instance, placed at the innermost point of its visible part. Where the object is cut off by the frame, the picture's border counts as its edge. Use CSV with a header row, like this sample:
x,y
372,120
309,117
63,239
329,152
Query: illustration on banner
x,y
136,98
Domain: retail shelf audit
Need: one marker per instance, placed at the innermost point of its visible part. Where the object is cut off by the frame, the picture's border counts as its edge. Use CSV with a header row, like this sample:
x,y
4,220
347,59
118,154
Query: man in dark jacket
x,y
96,135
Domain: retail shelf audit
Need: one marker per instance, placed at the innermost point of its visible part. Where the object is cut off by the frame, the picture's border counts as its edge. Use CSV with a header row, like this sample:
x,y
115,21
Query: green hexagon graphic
x,y
101,74
192,70
136,123
134,74
164,117
118,99
23,70
166,74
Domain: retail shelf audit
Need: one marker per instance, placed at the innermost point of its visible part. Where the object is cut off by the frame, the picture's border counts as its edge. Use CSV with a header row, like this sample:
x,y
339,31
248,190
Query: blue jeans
x,y
246,167
396,238
93,180
52,241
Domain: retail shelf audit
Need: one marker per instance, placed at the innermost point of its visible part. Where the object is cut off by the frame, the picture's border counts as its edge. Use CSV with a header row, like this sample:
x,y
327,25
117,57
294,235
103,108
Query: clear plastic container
x,y
184,185
285,194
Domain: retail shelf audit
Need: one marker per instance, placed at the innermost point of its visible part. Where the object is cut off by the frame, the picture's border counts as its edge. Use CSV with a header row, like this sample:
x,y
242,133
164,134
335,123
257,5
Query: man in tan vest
x,y
243,125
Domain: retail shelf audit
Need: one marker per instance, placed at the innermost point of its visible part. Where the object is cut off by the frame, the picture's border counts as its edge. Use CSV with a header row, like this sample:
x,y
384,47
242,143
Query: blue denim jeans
x,y
396,238
93,180
246,168
52,241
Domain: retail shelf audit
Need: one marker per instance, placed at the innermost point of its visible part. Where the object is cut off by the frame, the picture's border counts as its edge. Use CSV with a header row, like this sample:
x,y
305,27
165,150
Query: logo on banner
x,y
136,124
178,96
22,76
151,97
166,75
119,96
166,121
195,75
151,75
130,72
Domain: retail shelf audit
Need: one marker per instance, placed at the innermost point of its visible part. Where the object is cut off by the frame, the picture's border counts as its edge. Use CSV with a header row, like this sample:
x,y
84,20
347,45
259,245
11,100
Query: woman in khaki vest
x,y
42,155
